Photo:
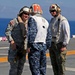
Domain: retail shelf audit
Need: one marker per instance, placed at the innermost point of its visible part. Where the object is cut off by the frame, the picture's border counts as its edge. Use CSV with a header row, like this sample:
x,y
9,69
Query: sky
x,y
10,8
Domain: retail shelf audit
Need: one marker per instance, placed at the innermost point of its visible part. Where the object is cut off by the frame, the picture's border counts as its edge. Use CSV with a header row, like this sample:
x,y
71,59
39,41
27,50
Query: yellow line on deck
x,y
5,59
72,52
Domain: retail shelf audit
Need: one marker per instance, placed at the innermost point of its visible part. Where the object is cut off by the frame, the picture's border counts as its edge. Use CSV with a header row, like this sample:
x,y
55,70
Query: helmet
x,y
24,9
55,7
35,8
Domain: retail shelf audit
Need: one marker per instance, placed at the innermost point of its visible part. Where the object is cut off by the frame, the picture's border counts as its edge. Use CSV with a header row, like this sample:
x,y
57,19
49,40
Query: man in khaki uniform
x,y
60,32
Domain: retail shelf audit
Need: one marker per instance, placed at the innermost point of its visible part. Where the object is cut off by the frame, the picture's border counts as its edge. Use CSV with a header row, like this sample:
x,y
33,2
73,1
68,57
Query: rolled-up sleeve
x,y
8,32
66,32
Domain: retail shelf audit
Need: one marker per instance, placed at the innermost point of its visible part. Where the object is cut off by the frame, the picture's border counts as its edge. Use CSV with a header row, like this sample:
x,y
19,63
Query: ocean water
x,y
4,22
3,25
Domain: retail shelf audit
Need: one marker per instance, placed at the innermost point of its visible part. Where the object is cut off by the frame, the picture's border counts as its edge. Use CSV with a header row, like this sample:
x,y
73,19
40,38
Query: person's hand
x,y
19,19
63,48
28,50
13,45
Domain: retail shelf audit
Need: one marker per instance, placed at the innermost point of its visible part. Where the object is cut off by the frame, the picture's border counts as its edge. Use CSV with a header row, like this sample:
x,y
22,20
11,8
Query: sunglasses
x,y
52,10
25,13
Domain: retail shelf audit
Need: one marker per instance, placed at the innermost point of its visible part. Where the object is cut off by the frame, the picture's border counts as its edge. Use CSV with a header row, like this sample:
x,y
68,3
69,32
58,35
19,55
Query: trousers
x,y
16,63
37,59
58,58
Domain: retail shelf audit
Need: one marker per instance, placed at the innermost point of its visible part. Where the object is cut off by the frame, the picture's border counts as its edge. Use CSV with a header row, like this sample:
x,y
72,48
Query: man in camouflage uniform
x,y
38,40
16,35
60,32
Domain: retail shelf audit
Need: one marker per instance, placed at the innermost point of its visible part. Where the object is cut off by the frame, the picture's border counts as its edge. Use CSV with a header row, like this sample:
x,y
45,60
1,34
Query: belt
x,y
54,37
40,43
57,43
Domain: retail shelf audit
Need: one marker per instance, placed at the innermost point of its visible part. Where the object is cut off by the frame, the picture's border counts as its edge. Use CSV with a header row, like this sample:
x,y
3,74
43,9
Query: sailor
x,y
39,39
60,32
16,33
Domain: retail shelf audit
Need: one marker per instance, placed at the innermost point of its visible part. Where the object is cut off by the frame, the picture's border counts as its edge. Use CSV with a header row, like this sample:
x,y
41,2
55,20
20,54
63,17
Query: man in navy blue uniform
x,y
39,39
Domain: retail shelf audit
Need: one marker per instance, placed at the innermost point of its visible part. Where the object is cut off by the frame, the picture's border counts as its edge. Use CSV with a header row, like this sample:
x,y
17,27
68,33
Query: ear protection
x,y
58,8
55,7
24,9
36,8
